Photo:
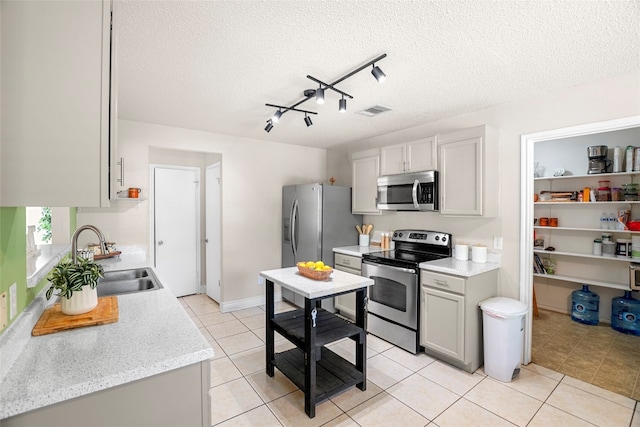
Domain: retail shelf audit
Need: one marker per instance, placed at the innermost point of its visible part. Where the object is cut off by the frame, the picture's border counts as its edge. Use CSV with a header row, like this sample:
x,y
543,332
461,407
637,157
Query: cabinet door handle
x,y
121,164
440,282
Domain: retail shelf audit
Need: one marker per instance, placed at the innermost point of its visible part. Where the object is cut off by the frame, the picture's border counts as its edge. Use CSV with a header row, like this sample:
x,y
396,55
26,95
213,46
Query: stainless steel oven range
x,y
394,298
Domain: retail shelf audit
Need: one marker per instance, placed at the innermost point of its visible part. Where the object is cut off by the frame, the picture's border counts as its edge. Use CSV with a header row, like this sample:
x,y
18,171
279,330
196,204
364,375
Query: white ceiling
x,y
212,65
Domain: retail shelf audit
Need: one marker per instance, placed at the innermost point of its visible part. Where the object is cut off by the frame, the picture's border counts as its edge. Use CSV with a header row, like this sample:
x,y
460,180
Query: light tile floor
x,y
402,389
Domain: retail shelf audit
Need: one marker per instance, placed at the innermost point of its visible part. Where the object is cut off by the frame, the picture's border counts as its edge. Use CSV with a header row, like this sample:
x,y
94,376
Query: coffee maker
x,y
598,162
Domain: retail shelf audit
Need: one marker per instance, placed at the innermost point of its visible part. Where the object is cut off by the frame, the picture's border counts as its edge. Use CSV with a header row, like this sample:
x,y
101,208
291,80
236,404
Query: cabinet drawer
x,y
349,261
443,281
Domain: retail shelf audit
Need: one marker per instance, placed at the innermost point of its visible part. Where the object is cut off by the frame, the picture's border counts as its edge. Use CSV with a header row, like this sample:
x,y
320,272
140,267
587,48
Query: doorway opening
x,y
208,239
175,219
527,208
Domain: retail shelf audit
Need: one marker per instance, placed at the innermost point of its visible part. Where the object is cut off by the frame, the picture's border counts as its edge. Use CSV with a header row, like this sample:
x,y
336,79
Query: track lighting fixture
x,y
378,74
342,105
319,93
279,114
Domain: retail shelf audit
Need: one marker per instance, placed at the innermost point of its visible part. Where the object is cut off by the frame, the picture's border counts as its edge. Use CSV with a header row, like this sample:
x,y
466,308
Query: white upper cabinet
x,y
414,156
468,162
55,103
365,169
393,159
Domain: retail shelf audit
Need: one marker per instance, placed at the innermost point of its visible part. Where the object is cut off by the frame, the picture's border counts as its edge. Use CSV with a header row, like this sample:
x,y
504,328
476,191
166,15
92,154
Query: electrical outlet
x,y
3,310
13,301
260,280
497,243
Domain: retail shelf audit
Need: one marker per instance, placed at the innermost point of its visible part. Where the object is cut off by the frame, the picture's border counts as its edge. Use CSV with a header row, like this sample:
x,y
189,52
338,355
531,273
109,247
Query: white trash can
x,y
503,329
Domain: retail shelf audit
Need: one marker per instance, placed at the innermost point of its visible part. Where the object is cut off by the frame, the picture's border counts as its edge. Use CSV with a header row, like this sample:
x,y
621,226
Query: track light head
x,y
269,126
342,105
276,116
307,120
378,74
320,95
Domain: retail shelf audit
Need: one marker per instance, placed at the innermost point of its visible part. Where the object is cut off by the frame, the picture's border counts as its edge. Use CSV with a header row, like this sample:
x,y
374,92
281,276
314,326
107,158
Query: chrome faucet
x,y
74,240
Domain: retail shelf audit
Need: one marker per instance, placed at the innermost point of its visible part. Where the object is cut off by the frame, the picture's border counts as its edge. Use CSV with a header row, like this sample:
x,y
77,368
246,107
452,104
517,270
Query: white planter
x,y
80,302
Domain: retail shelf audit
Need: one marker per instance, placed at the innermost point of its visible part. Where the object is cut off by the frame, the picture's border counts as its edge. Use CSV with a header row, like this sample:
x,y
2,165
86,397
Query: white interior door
x,y
176,228
212,223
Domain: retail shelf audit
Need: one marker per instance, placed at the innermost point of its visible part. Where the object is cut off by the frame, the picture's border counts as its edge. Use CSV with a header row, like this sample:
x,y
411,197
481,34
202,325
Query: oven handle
x,y
414,193
391,267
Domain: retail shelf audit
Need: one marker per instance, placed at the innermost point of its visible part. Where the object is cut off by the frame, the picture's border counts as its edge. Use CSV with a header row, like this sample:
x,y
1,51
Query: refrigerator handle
x,y
293,227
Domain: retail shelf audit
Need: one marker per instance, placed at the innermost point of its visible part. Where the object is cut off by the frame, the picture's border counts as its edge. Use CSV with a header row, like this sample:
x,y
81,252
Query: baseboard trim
x,y
241,304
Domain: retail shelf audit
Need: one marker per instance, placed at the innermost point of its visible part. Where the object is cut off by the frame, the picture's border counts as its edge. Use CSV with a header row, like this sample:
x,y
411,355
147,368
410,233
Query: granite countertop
x,y
458,268
339,282
152,335
358,250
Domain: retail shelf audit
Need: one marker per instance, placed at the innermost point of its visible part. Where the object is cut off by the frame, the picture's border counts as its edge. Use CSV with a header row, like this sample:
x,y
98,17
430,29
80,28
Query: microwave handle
x,y
414,193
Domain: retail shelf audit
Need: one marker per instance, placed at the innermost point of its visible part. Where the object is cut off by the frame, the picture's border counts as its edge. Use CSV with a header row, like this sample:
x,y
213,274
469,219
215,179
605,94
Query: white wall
x,y
570,154
598,101
253,173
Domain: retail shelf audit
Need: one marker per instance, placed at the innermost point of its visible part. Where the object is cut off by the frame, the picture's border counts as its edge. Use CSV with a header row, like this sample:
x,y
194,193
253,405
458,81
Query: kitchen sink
x,y
135,273
128,281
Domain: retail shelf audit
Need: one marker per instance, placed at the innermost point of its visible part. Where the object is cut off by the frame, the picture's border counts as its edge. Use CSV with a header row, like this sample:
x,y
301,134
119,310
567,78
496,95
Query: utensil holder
x,y
363,240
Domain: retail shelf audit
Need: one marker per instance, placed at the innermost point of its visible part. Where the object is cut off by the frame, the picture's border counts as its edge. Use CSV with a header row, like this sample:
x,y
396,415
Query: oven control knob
x,y
395,234
437,238
400,234
444,239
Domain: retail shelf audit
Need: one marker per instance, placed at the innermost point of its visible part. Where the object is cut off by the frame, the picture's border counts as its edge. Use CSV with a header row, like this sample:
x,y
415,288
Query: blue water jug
x,y
625,314
584,306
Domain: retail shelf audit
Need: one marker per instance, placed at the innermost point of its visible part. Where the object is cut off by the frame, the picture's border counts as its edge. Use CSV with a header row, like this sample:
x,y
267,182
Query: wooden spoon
x,y
359,229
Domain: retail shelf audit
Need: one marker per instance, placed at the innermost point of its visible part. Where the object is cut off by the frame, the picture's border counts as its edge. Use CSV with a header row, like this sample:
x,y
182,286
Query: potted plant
x,y
76,285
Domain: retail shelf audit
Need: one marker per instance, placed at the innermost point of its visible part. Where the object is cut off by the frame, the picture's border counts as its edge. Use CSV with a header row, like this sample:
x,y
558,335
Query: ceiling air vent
x,y
374,111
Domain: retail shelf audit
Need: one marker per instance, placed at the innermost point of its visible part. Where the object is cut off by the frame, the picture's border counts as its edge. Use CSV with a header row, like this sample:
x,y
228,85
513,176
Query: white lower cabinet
x,y
450,318
179,397
346,303
443,321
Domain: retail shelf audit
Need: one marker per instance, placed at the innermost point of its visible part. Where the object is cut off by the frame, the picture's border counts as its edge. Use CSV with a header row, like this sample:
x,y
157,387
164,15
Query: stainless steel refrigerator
x,y
315,219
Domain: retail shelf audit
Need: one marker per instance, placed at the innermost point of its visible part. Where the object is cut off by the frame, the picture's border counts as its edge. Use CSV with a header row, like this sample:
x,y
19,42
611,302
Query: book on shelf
x,y
538,266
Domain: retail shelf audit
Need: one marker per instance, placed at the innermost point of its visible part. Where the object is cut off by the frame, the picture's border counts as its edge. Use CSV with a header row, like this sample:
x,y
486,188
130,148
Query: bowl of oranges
x,y
316,270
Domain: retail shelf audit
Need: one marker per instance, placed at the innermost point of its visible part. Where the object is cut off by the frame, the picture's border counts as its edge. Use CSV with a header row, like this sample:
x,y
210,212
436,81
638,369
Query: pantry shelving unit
x,y
620,286
578,226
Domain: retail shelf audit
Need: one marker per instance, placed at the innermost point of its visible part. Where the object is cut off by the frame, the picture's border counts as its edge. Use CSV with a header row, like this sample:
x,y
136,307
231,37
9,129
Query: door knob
x,y
160,243
206,240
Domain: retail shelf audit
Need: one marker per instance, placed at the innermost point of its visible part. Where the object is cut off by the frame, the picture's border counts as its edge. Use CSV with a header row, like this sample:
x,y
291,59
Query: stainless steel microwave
x,y
417,191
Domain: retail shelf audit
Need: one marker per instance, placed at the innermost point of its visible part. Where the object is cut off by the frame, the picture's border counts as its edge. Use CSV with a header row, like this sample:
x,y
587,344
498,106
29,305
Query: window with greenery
x,y
40,218
44,225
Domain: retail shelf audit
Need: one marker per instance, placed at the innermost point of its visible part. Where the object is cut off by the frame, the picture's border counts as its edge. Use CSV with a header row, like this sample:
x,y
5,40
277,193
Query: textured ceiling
x,y
212,65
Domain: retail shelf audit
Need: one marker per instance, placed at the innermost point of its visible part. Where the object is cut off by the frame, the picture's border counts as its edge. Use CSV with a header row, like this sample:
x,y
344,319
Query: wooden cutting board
x,y
53,320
